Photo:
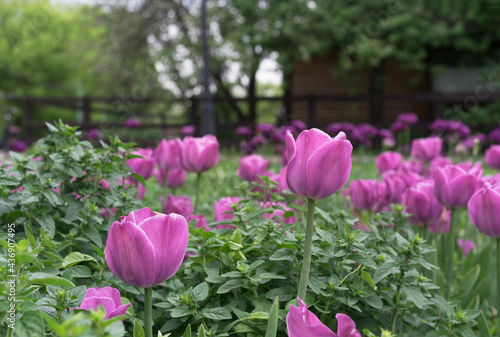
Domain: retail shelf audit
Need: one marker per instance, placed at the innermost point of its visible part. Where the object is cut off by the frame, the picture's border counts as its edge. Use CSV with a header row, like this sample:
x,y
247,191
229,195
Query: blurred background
x,y
136,68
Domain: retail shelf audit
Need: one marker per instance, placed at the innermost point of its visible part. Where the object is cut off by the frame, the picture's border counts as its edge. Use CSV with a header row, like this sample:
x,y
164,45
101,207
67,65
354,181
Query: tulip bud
x,y
107,297
483,210
167,154
492,157
454,186
251,166
426,149
388,161
199,154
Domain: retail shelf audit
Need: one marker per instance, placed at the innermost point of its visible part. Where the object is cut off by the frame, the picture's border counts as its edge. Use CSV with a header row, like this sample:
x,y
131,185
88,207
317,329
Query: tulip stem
x,y
148,308
306,262
198,179
498,277
451,251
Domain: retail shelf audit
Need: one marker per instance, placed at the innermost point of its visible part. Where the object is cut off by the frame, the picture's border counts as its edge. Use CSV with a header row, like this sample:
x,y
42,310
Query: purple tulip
x,y
395,184
492,157
300,322
146,248
426,149
142,166
251,166
438,162
178,204
454,186
298,125
267,130
93,134
107,297
244,131
280,178
201,221
278,214
367,194
398,126
18,145
422,203
388,161
318,165
132,122
483,210
199,154
467,247
188,130
408,118
441,225
168,154
176,177
495,136
224,205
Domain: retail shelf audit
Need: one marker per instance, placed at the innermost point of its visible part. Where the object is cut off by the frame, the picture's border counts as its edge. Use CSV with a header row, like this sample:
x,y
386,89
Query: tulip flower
x,y
318,166
107,297
438,162
453,188
167,154
176,177
244,131
201,221
132,123
454,185
466,246
422,203
252,166
395,185
426,149
221,209
441,225
388,161
142,166
492,157
144,249
199,155
298,125
483,212
188,130
178,204
300,322
408,118
367,194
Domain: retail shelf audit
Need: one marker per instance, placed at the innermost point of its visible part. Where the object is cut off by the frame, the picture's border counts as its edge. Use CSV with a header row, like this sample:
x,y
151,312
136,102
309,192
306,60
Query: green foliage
x,y
237,280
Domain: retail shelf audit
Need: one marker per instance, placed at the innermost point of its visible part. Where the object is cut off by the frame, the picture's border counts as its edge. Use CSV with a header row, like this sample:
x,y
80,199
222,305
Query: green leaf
x,y
30,324
76,257
374,301
367,277
52,197
282,254
138,330
414,295
272,323
45,278
217,314
200,292
201,331
181,312
47,224
230,285
187,333
384,270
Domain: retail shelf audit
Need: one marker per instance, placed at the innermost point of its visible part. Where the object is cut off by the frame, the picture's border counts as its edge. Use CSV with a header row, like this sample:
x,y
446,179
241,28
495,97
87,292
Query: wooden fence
x,y
126,107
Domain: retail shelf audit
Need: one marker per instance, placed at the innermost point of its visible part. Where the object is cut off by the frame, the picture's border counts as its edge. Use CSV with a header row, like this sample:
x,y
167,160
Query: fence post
x,y
193,112
86,112
311,100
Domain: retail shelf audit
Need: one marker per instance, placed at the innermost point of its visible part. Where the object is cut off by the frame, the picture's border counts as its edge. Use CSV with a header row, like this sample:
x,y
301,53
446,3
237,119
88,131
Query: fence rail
x,y
126,107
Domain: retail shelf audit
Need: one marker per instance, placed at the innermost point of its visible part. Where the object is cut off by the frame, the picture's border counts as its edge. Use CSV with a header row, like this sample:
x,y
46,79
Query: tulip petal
x,y
346,326
92,303
121,310
130,255
298,324
112,293
169,235
483,207
328,168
